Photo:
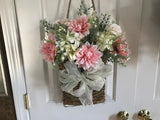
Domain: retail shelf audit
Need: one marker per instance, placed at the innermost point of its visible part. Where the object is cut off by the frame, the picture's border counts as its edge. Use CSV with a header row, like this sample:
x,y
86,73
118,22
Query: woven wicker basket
x,y
98,97
68,99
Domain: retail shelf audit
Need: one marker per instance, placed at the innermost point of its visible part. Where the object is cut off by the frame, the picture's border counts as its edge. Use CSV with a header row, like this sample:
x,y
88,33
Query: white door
x,y
132,88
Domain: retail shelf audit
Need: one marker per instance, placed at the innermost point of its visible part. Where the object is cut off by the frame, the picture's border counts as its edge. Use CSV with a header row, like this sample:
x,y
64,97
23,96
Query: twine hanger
x,y
69,6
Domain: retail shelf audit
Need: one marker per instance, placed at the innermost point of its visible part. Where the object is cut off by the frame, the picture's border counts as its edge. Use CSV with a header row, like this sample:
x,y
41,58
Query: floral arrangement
x,y
84,46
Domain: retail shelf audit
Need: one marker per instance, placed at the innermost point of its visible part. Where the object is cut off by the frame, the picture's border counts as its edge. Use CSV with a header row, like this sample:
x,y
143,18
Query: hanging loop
x,y
93,5
69,7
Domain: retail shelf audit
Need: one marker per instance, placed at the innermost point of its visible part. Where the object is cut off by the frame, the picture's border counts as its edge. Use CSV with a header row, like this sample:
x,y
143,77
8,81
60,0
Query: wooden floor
x,y
7,111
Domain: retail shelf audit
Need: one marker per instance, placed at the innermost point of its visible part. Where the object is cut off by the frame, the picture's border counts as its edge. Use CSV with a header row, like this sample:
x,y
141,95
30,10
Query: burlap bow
x,y
89,80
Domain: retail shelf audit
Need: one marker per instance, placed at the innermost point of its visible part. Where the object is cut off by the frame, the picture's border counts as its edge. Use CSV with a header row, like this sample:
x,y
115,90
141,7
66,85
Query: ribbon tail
x,y
87,98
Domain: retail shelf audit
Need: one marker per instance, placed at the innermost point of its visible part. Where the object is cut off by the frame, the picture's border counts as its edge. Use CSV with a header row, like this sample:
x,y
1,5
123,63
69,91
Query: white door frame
x,y
14,56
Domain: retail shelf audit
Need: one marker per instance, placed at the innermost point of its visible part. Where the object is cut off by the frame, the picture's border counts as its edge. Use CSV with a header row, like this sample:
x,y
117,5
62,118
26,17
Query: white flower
x,y
116,29
75,45
65,54
62,58
46,36
72,57
62,43
71,39
76,35
97,33
62,48
102,35
104,42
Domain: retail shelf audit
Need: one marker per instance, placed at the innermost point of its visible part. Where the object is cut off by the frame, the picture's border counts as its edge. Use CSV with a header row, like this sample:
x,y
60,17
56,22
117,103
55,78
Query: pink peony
x,y
80,25
48,49
88,56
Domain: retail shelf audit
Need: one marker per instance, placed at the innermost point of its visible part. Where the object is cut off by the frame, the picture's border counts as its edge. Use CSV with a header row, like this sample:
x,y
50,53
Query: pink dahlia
x,y
88,56
80,25
48,49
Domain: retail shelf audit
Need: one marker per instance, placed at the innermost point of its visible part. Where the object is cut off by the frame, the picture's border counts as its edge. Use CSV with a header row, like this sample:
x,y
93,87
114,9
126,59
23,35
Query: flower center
x,y
89,54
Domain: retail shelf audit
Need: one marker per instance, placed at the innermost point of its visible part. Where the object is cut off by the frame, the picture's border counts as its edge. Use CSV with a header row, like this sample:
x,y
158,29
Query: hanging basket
x,y
70,100
81,47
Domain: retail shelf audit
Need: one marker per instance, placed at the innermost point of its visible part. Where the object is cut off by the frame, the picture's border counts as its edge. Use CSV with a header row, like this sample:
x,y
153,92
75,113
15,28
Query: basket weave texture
x,y
98,97
68,99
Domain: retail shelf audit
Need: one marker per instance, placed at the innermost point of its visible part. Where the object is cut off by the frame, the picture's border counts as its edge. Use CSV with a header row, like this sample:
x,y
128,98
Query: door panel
x,y
133,87
147,89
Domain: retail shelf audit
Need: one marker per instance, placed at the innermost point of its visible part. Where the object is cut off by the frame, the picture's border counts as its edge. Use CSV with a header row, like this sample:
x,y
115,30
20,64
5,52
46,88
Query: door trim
x,y
14,56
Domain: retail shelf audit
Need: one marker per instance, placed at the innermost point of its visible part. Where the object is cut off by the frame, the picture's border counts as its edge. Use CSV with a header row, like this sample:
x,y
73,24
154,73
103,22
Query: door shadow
x,y
135,117
113,117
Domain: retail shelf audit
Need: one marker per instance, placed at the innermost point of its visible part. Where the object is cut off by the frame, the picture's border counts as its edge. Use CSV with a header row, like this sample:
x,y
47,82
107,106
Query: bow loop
x,y
89,80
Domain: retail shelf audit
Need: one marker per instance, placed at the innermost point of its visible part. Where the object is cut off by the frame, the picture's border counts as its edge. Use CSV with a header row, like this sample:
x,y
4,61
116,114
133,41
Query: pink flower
x,y
80,25
51,37
121,48
116,29
48,49
88,56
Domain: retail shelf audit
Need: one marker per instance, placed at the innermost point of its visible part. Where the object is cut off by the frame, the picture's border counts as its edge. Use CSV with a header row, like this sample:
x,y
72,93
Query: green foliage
x,y
60,30
104,21
83,9
99,25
